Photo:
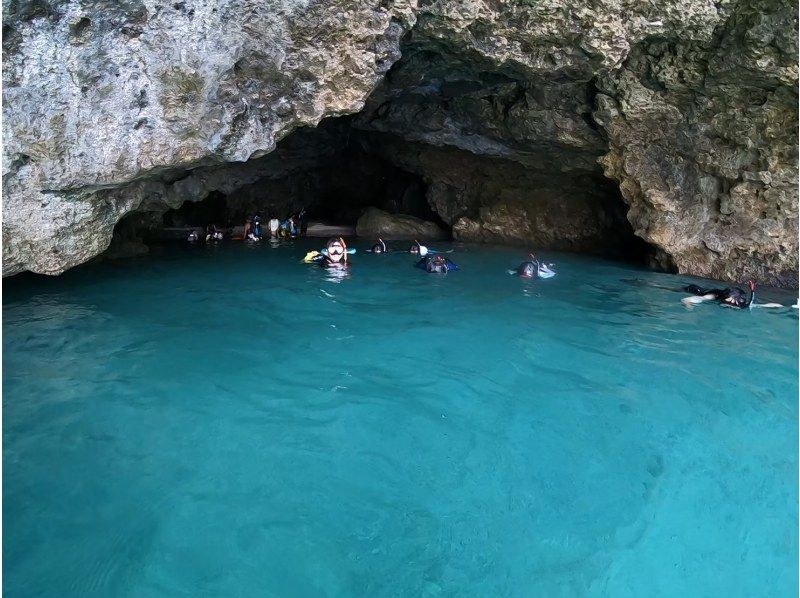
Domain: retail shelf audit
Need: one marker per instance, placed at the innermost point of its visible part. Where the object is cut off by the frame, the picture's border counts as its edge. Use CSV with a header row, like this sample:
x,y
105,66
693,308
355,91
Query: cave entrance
x,y
487,156
212,209
329,171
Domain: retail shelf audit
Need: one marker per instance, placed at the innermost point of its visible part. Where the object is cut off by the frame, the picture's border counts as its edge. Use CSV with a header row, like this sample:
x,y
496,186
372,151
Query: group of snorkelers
x,y
294,226
430,260
335,253
212,235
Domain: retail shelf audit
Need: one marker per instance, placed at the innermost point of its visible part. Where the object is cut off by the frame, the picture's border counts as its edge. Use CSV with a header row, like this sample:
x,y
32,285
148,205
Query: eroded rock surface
x,y
511,112
691,107
703,141
98,95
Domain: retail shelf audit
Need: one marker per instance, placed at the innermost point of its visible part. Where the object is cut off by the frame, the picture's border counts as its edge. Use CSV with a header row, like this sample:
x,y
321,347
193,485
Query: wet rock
x,y
502,201
377,223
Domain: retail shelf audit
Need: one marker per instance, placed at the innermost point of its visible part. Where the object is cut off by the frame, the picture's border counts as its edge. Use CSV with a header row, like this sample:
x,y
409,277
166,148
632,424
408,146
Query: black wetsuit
x,y
326,262
436,264
732,296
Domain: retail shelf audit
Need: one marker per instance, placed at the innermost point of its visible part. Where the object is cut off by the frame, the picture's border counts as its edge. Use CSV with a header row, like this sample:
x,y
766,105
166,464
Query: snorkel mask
x,y
337,250
527,270
437,264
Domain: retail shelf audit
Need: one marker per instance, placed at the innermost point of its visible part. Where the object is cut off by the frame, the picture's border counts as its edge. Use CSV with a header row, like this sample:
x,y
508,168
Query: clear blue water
x,y
230,422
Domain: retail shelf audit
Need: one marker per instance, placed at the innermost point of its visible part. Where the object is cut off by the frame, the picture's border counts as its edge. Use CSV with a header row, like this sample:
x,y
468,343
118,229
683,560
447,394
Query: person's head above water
x,y
736,297
417,247
337,250
379,247
528,269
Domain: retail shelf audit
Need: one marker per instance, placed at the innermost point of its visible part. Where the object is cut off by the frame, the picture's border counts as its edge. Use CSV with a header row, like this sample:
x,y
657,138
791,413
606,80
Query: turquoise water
x,y
228,422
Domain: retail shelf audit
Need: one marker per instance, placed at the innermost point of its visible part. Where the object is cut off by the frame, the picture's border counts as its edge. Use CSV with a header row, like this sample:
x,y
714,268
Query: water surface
x,y
229,422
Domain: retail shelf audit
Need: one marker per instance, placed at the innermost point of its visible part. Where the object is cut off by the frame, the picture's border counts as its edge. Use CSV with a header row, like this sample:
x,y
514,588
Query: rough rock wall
x,y
97,94
506,160
503,201
703,141
690,104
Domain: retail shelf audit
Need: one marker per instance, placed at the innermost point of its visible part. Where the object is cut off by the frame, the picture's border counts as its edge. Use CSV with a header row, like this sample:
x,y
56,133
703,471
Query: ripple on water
x,y
231,422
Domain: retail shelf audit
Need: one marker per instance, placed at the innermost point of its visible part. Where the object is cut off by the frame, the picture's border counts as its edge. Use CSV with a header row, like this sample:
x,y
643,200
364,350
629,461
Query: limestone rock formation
x,y
703,141
98,96
691,107
375,223
503,201
529,122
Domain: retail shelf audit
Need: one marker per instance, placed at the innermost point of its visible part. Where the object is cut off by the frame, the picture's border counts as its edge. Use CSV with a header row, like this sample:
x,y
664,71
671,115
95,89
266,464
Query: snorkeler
x,y
728,297
436,264
212,234
193,236
534,269
333,256
379,247
252,230
418,249
274,223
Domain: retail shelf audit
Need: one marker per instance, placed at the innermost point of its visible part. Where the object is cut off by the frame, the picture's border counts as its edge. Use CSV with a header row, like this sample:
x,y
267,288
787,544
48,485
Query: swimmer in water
x,y
380,247
193,236
436,264
534,269
733,297
256,230
334,255
274,224
212,234
252,229
418,249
